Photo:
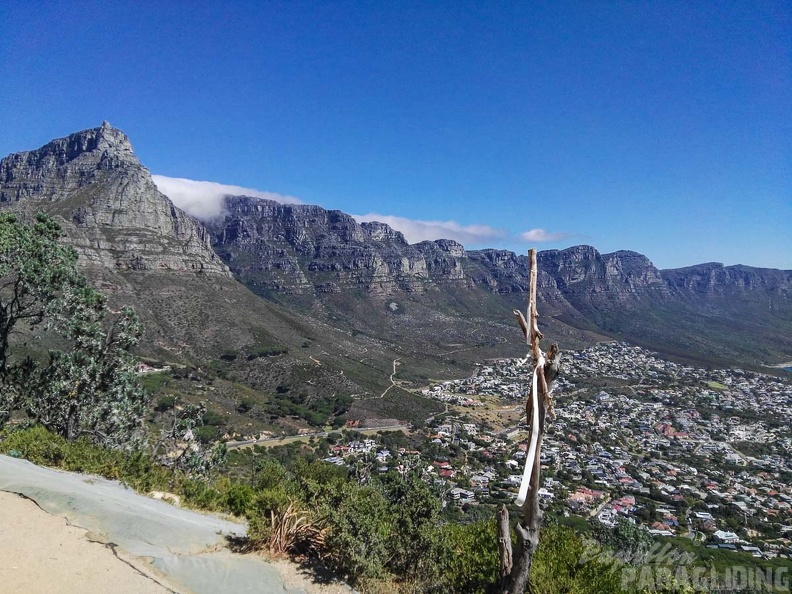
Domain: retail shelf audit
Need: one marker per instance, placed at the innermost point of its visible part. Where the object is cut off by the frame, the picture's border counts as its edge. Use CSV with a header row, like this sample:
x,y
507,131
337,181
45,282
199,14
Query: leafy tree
x,y
36,276
91,389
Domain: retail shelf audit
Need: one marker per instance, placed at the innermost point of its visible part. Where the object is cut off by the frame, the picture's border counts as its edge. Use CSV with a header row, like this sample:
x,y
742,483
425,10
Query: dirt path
x,y
40,553
392,375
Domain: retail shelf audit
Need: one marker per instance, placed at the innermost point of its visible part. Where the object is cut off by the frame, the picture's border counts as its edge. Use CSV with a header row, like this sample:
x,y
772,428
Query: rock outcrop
x,y
301,249
93,183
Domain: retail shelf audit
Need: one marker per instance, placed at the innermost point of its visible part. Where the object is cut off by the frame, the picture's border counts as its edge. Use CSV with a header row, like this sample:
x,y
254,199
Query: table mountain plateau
x,y
366,276
297,296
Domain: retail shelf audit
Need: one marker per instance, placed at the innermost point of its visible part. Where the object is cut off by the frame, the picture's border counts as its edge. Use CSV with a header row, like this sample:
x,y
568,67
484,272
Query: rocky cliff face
x,y
134,244
366,274
288,249
300,249
107,203
746,292
590,281
305,249
716,279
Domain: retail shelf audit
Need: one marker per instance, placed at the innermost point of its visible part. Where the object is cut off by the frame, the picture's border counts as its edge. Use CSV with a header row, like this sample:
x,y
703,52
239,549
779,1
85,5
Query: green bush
x,y
35,444
152,382
236,497
245,405
201,494
470,557
212,418
165,403
206,433
360,529
563,563
42,447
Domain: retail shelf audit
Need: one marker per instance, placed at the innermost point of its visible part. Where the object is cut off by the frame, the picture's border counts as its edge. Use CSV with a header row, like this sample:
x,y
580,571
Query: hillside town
x,y
681,451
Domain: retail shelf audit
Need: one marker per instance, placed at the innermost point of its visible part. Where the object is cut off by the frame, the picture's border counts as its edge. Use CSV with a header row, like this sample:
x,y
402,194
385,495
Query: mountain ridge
x,y
239,210
141,250
285,251
298,297
329,245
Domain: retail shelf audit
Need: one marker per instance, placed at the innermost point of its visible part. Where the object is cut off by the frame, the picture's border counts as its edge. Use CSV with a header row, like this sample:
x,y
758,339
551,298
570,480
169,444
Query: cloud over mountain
x,y
541,236
204,199
415,230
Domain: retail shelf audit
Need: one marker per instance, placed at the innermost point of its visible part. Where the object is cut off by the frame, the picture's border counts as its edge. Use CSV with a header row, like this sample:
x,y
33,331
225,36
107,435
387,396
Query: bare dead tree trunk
x,y
516,568
504,545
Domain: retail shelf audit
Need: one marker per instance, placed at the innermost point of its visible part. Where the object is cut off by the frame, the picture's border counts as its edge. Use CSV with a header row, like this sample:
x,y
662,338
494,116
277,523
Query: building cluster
x,y
682,451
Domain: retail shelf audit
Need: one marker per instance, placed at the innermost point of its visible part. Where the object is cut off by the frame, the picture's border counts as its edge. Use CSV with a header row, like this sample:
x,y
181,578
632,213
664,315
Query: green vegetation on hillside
x,y
387,535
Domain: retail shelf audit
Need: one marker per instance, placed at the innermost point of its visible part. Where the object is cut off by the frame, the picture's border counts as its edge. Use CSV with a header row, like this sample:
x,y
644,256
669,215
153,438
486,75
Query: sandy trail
x,y
157,539
42,554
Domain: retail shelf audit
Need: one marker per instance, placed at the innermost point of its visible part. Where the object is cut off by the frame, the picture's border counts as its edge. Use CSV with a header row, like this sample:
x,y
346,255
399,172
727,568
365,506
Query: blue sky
x,y
659,127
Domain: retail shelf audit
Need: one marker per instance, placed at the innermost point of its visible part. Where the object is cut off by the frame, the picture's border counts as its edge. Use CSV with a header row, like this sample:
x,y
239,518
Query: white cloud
x,y
541,236
416,230
204,199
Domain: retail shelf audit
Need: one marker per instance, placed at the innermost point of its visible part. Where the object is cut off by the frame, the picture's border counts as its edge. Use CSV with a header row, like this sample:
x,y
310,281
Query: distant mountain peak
x,y
109,206
104,139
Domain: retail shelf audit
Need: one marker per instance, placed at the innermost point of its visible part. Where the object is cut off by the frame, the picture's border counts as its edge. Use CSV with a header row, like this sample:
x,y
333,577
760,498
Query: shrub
x,y
165,403
359,529
35,444
201,494
235,497
154,381
245,405
470,557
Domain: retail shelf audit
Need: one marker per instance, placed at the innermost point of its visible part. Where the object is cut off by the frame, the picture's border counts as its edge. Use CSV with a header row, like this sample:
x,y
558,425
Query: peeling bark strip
x,y
531,407
516,569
